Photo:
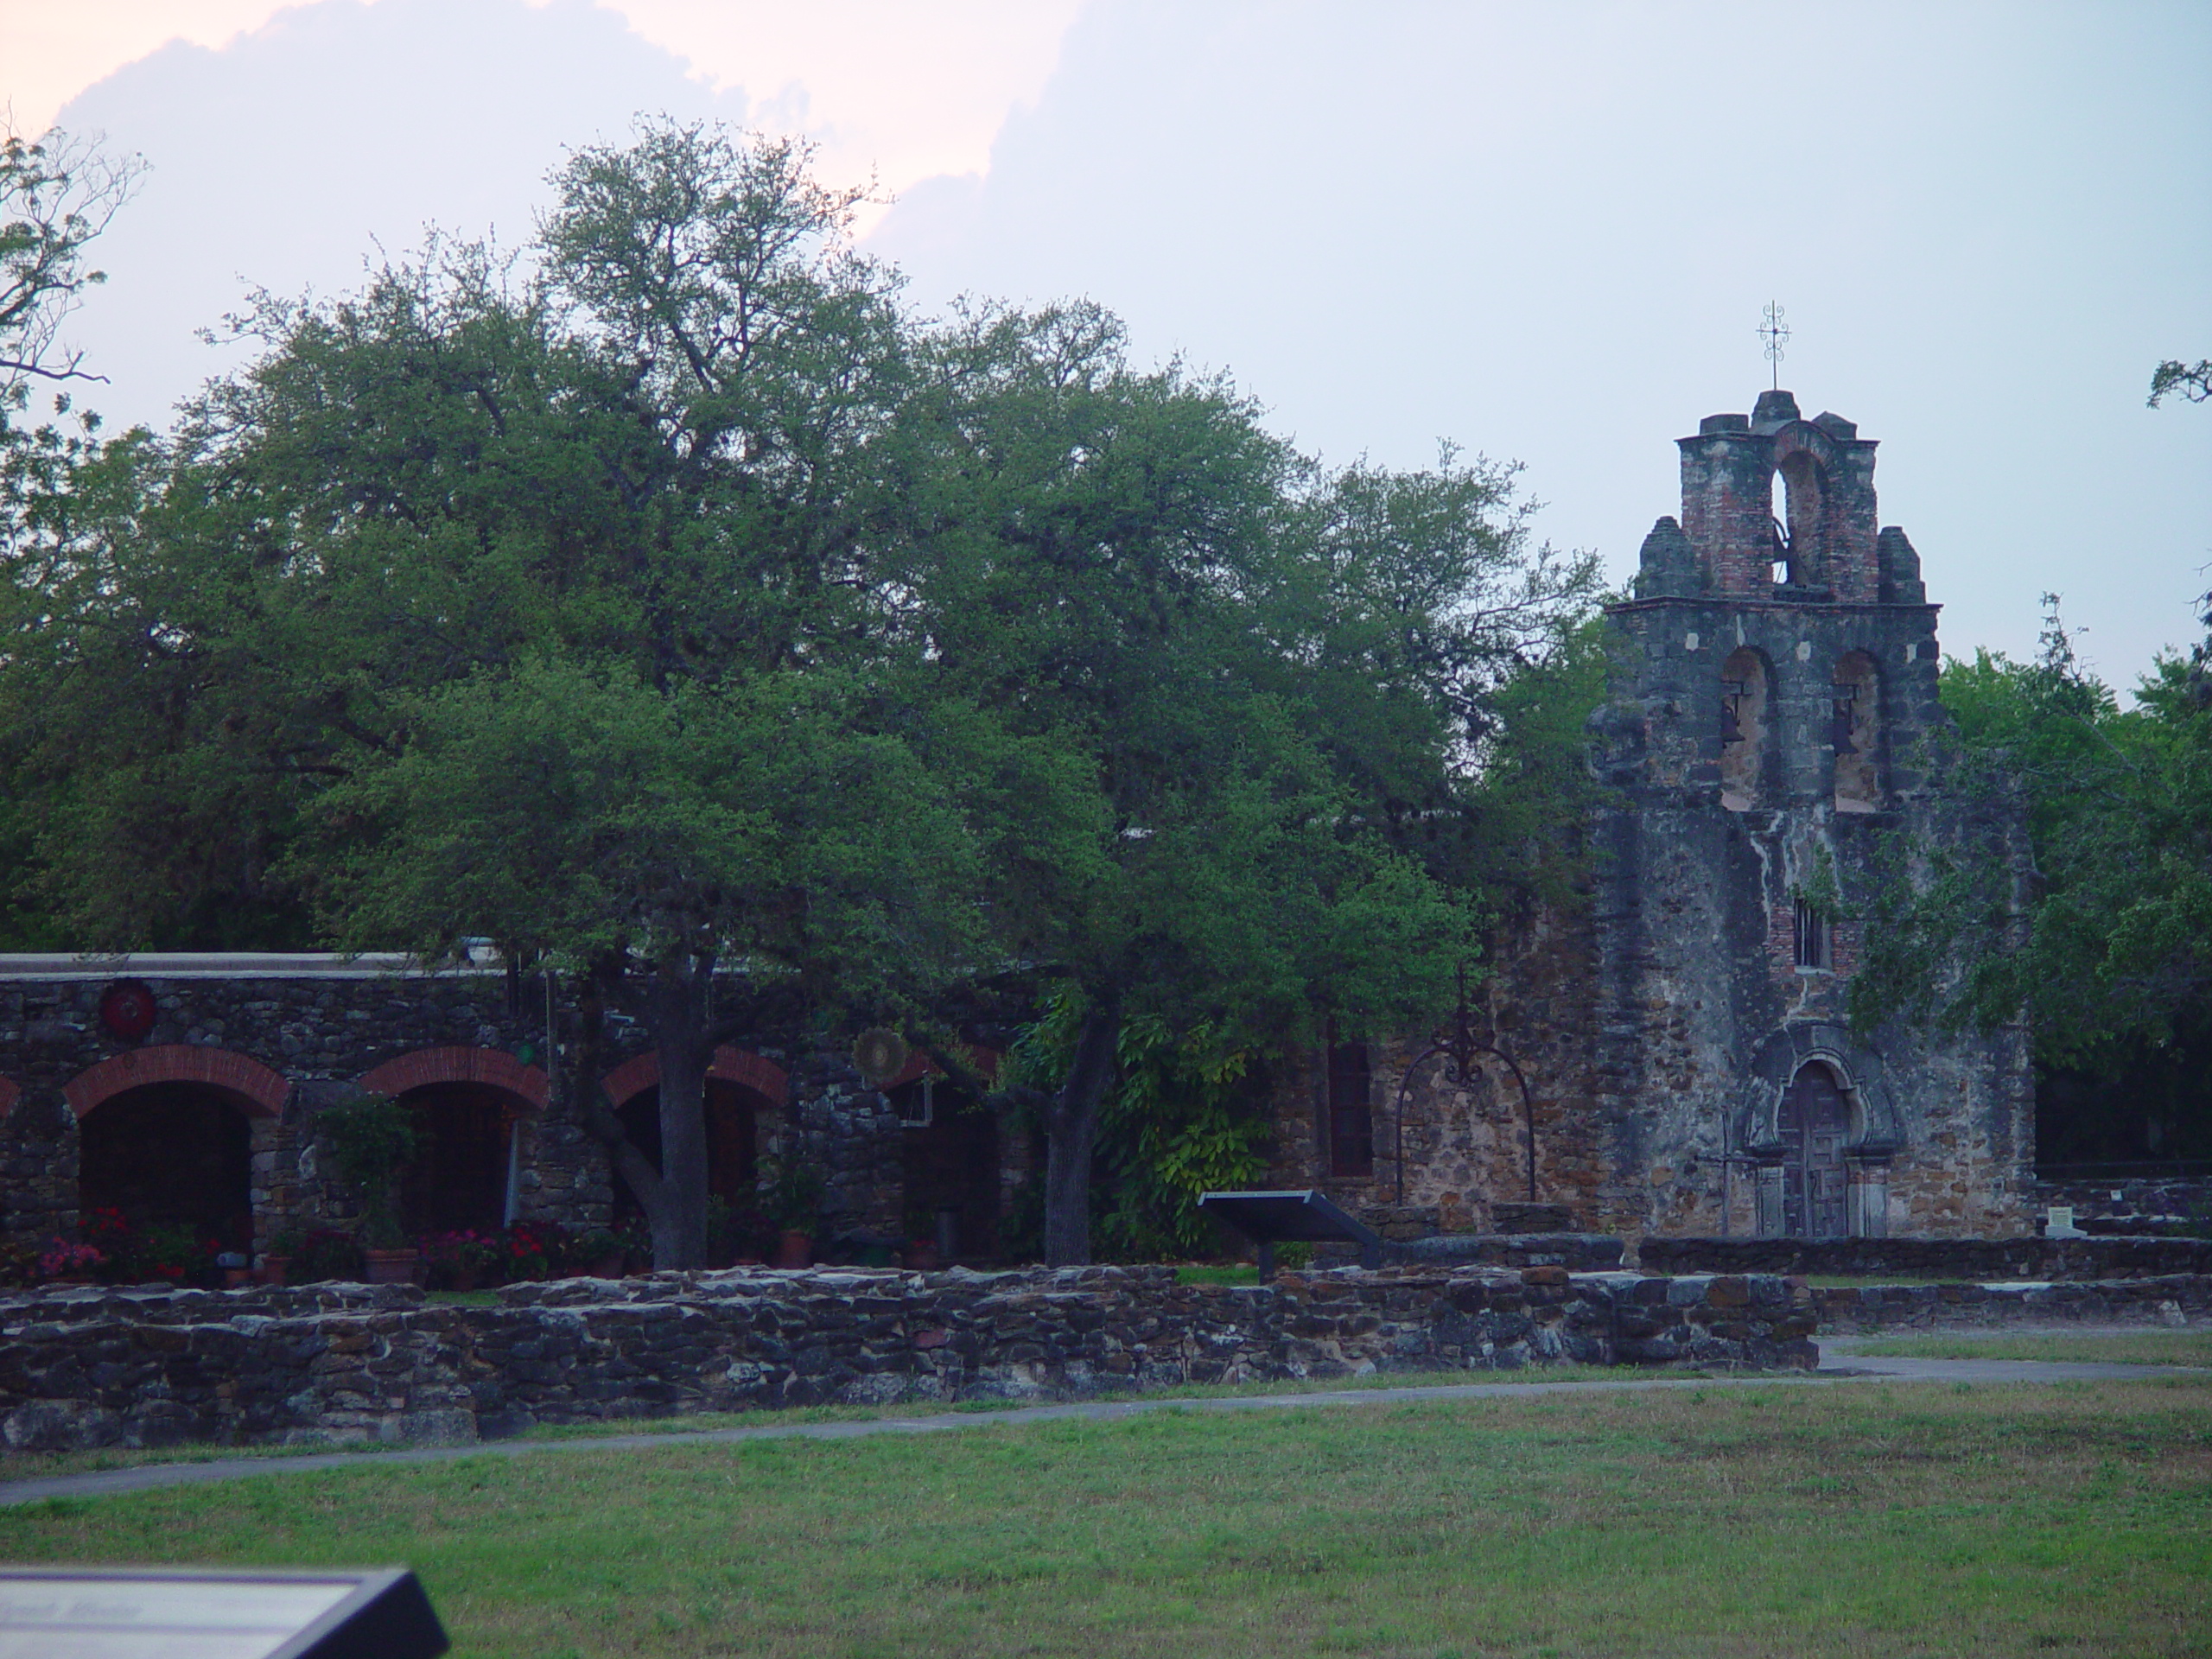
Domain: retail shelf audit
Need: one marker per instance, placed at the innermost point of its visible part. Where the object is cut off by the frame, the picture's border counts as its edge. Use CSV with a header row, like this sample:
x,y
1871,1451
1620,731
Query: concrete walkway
x,y
1852,1368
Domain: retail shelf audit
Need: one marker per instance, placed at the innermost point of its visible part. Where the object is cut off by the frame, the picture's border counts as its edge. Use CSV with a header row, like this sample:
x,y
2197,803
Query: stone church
x,y
1689,1069
1670,1058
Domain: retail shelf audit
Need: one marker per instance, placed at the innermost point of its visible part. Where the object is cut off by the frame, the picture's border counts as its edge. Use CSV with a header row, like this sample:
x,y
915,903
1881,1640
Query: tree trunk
x,y
1071,1128
678,1005
681,1015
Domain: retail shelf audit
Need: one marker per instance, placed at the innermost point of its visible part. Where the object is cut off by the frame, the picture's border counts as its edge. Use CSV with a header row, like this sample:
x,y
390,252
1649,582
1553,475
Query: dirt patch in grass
x,y
1858,1520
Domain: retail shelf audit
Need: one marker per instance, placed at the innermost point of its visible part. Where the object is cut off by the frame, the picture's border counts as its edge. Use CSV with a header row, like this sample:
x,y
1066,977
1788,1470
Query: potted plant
x,y
371,1137
277,1260
792,1199
532,1248
598,1251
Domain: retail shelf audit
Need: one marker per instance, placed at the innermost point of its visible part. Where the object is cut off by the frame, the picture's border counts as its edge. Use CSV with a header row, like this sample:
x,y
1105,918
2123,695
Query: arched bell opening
x,y
1746,730
1798,511
170,1155
1855,732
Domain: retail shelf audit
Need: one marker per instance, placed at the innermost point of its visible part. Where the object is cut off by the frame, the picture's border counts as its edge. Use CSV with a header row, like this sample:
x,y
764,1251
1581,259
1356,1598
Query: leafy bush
x,y
1178,1120
371,1137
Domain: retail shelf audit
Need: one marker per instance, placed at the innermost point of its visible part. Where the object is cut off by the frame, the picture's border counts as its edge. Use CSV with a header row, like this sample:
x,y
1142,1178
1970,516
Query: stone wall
x,y
352,1362
1465,1139
321,1028
2133,1204
1958,1258
2172,1299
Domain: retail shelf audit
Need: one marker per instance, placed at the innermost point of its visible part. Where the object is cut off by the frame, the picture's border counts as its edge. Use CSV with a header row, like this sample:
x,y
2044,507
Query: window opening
x,y
1812,941
917,1105
1351,1118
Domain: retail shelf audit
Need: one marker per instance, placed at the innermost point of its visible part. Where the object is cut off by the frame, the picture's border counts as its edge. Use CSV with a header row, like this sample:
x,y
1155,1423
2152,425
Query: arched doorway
x,y
466,1104
464,1139
165,1134
733,1156
170,1155
949,1155
1813,1123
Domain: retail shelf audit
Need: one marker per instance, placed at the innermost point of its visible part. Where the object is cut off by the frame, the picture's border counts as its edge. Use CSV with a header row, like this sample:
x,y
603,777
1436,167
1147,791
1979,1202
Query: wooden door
x,y
1815,1122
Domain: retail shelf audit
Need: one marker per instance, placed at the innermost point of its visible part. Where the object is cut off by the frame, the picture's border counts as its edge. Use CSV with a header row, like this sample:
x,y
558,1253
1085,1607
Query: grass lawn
x,y
34,1465
1852,1519
2108,1347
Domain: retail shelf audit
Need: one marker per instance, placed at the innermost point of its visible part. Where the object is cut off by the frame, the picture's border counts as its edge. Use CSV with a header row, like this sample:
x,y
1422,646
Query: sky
x,y
1543,233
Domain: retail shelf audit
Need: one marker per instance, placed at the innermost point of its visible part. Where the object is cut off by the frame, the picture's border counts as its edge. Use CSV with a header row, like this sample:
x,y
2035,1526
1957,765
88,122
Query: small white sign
x,y
2059,1223
121,1618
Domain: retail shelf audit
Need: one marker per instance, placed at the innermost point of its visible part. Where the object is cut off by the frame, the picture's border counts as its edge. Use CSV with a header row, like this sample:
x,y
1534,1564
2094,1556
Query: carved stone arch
x,y
1876,1130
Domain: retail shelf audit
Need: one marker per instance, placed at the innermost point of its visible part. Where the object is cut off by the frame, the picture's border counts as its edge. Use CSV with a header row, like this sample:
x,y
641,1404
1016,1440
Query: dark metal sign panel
x,y
1272,1218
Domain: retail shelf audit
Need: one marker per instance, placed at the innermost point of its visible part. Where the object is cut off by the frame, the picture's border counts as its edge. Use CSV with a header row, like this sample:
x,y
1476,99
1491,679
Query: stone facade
x,y
1773,722
275,1038
355,1363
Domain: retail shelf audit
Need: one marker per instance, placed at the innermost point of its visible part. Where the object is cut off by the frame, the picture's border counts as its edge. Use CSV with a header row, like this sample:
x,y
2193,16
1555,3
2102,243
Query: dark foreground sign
x,y
1272,1218
62,1612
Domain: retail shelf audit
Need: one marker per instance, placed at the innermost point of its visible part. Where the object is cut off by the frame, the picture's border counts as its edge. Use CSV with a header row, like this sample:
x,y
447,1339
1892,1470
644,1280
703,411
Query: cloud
x,y
900,90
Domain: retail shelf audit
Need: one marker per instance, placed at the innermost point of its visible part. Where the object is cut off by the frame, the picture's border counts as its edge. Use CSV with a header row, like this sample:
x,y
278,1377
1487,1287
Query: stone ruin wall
x,y
324,1032
1466,1168
327,1363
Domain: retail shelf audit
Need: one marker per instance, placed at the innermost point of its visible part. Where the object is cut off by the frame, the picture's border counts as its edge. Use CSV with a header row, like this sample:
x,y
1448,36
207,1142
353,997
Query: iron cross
x,y
1776,333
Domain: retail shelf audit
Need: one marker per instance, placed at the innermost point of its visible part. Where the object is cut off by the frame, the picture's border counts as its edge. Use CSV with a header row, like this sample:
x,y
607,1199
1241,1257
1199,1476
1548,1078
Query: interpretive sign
x,y
62,1612
1272,1218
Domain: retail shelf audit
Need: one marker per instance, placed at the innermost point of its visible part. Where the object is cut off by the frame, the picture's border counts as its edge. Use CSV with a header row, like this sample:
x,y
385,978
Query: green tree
x,y
1277,681
540,610
2101,938
2192,380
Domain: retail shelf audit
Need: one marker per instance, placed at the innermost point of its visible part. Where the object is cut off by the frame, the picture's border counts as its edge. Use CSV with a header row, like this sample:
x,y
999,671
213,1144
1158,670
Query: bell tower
x,y
1774,738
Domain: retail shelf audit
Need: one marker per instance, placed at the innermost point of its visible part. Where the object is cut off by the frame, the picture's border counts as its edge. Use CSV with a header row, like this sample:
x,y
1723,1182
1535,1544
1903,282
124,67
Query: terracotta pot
x,y
234,1277
608,1265
796,1249
391,1267
272,1269
464,1278
922,1257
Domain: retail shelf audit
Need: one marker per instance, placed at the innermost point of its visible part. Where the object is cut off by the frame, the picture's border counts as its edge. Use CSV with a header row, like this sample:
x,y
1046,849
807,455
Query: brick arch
x,y
458,1063
260,1091
919,1064
634,1077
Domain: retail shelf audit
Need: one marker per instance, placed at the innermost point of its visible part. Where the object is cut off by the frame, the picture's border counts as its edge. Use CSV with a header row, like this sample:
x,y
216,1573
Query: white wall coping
x,y
253,964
